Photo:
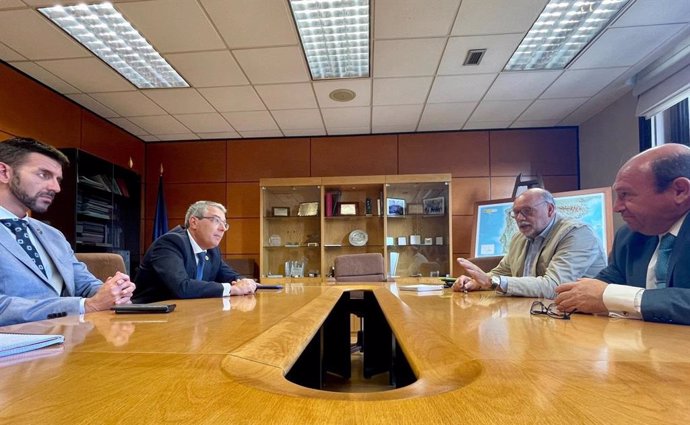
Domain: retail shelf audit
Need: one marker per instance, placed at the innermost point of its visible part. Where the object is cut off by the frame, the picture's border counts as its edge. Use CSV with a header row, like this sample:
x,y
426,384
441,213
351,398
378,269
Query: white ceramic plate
x,y
358,238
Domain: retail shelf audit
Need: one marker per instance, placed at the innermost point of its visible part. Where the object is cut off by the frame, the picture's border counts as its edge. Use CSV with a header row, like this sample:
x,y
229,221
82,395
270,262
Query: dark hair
x,y
668,168
14,151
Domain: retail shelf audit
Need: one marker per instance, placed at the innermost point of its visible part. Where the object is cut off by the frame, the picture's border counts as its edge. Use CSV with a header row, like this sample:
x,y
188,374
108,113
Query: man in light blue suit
x,y
39,276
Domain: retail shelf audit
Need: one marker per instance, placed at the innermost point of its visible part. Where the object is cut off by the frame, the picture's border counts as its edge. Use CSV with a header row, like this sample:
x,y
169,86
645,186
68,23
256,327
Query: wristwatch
x,y
495,282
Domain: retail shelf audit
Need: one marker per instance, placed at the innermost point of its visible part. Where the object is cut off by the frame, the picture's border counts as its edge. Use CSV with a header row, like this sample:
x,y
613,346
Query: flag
x,y
160,220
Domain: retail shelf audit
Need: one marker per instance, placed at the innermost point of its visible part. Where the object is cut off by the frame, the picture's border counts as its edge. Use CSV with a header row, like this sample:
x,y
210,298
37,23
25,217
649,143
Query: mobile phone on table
x,y
143,308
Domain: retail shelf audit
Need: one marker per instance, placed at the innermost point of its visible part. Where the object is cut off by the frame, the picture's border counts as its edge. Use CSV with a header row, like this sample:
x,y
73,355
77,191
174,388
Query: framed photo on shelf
x,y
281,212
308,209
395,206
434,206
347,208
415,209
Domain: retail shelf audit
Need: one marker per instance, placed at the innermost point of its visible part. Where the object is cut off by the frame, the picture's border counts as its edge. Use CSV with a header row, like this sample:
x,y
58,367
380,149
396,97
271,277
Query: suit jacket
x,y
628,266
25,292
169,270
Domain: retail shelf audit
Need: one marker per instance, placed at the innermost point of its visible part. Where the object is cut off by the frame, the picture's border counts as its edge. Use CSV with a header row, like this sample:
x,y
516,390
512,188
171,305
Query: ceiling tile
x,y
296,119
348,130
149,138
464,88
11,4
251,121
221,135
401,91
497,16
127,125
22,29
583,82
551,109
42,75
399,128
414,18
485,125
361,87
624,46
403,117
538,123
273,65
305,132
287,96
179,101
250,134
89,75
93,105
208,69
407,58
166,24
499,110
159,125
251,23
499,48
7,54
129,103
177,136
445,116
358,117
523,85
204,123
230,99
652,12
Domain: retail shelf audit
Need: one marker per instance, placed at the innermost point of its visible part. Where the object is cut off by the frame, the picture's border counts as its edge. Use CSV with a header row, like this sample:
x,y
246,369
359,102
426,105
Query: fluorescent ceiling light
x,y
335,36
105,32
561,32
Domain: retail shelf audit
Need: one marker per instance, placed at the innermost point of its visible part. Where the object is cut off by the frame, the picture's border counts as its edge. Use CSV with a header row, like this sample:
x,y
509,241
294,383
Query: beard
x,y
34,203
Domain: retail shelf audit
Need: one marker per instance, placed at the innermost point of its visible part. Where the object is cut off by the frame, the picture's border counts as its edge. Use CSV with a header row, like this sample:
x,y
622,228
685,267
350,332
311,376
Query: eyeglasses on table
x,y
538,308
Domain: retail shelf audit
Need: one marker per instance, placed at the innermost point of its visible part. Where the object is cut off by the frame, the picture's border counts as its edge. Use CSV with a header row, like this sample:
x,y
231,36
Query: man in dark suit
x,y
648,275
186,262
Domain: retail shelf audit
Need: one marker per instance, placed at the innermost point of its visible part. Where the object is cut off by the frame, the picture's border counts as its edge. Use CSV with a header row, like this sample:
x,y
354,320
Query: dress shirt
x,y
197,249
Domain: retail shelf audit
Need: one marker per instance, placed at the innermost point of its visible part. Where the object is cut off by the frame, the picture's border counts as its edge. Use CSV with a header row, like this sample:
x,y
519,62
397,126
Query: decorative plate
x,y
358,238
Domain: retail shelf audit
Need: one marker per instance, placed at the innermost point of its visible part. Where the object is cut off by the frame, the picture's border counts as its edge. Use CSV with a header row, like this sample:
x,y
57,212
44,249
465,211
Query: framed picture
x,y
434,206
347,208
415,209
308,209
395,206
281,212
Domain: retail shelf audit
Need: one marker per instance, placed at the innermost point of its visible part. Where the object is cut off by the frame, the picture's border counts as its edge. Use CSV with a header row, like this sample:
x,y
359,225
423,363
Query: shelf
x,y
290,247
353,217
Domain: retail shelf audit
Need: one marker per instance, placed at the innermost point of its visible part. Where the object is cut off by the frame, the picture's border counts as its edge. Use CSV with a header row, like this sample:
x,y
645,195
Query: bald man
x,y
549,250
648,275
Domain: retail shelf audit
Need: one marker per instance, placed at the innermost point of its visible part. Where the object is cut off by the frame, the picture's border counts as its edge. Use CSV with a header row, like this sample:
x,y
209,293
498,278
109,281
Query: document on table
x,y
11,344
420,288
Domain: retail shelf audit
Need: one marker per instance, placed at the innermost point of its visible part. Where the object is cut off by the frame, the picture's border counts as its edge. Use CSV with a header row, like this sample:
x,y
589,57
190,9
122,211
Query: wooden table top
x,y
479,358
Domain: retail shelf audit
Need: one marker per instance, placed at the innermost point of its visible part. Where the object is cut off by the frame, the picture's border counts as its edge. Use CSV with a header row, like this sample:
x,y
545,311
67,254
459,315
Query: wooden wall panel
x,y
30,109
243,199
462,233
243,237
111,143
354,156
467,191
186,162
251,160
463,154
4,135
542,151
502,187
179,196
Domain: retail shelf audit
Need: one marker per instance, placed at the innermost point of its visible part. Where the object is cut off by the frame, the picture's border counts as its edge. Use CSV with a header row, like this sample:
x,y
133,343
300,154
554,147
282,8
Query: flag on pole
x,y
160,220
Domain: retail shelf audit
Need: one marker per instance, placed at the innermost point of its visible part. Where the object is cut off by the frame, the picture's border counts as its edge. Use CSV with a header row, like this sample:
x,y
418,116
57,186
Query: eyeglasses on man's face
x,y
526,211
217,221
551,310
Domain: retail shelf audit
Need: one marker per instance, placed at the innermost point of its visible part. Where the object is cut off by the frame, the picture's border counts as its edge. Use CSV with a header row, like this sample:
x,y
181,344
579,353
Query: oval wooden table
x,y
479,358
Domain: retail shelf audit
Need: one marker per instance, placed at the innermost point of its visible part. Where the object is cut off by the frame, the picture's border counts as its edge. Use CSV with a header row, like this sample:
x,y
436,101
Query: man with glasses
x,y
648,276
186,262
548,250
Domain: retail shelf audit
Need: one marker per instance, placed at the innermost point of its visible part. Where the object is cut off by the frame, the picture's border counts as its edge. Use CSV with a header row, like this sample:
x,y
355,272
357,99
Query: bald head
x,y
663,163
533,211
536,195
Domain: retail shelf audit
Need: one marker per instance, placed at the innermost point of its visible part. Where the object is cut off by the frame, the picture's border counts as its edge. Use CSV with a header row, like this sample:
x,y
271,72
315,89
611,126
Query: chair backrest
x,y
102,264
486,263
360,268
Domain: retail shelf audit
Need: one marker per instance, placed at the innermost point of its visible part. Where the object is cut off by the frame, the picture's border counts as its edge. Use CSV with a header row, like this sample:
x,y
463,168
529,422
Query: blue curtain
x,y
160,221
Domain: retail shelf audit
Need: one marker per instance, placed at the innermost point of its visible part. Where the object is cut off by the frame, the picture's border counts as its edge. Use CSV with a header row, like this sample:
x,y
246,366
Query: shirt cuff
x,y
226,289
503,286
623,301
82,306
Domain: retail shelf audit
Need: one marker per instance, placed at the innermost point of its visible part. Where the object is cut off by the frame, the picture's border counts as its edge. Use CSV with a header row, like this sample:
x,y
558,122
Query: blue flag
x,y
160,220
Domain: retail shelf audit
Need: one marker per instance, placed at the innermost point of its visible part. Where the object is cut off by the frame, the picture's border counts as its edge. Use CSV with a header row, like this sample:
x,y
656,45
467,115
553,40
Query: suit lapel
x,y
681,246
10,243
66,270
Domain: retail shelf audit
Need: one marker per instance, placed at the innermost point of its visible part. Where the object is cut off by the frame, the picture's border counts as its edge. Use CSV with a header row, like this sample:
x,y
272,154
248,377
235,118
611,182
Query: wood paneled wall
x,y
483,165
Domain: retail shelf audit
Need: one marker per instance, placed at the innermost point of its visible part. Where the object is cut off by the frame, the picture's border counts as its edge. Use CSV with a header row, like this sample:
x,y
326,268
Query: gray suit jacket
x,y
25,293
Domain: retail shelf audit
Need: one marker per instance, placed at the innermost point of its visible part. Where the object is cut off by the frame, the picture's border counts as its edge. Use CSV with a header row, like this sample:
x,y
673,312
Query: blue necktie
x,y
200,265
20,228
662,257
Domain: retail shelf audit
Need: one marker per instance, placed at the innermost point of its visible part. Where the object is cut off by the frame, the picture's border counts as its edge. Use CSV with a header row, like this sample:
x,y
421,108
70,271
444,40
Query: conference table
x,y
478,358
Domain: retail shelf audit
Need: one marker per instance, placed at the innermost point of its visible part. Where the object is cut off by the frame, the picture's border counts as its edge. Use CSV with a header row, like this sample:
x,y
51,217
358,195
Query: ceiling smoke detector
x,y
342,95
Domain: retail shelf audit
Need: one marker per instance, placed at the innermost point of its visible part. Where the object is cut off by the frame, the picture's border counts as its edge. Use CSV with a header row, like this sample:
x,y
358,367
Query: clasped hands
x,y
243,287
477,279
115,290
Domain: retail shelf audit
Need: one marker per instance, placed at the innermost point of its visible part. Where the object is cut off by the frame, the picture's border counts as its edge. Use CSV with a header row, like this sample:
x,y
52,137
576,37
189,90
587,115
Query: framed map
x,y
494,228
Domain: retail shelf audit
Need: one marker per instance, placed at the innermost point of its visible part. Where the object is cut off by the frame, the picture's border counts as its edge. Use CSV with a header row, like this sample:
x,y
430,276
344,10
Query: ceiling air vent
x,y
474,56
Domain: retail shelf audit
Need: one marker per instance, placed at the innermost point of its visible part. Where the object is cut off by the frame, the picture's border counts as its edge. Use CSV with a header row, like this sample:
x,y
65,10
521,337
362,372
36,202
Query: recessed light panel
x,y
561,31
335,36
104,31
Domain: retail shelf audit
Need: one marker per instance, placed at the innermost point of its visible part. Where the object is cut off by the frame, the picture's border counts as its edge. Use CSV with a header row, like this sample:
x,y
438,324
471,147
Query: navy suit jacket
x,y
169,270
628,265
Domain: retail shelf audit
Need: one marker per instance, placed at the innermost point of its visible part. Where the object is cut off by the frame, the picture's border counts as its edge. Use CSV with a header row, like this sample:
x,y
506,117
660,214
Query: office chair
x,y
102,264
484,263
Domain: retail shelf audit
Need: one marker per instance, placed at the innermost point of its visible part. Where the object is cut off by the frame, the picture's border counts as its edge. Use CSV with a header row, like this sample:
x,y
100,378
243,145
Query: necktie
x,y
200,265
663,255
20,228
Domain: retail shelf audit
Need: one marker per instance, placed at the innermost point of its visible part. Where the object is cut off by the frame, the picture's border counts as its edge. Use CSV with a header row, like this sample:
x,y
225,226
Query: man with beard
x,y
39,276
548,251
